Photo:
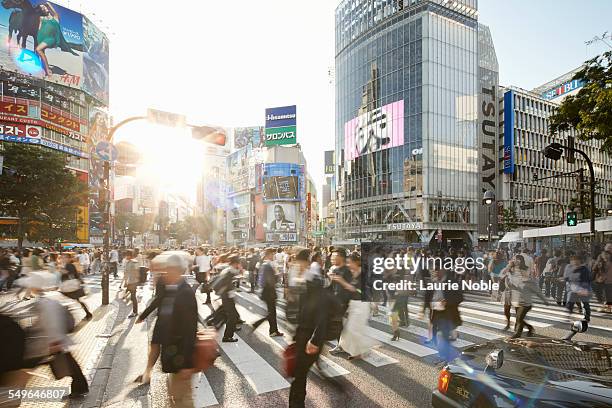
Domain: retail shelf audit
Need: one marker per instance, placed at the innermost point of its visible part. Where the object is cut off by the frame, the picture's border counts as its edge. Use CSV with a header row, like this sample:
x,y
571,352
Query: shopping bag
x,y
206,349
289,360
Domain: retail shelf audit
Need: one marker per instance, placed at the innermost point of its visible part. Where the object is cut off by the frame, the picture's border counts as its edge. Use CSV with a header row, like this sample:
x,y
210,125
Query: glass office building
x,y
408,119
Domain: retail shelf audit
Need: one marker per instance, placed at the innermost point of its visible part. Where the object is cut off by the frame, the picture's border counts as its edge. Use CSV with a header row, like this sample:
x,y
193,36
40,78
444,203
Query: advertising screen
x,y
95,61
248,136
281,217
58,28
239,170
72,51
281,188
376,130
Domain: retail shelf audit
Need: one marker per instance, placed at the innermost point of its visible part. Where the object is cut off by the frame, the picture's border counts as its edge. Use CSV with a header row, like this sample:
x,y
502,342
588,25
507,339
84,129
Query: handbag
x,y
206,349
289,360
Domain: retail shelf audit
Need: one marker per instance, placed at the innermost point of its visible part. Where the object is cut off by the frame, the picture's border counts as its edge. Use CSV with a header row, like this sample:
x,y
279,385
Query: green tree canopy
x,y
38,189
590,110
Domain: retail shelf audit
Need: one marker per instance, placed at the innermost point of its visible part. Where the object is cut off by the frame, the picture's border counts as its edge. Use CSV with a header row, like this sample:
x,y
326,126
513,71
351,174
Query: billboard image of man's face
x,y
281,217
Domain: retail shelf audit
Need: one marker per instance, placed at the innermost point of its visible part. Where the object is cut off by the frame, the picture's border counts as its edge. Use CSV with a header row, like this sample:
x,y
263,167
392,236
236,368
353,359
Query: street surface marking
x,y
329,368
203,395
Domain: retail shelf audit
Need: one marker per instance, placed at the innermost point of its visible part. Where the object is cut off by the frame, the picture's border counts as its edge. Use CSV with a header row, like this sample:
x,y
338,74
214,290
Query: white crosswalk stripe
x,y
482,322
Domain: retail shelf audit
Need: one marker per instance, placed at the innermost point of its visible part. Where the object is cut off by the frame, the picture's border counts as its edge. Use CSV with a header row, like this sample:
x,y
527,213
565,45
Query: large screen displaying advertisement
x,y
248,136
95,61
240,170
281,217
281,188
376,130
283,182
49,41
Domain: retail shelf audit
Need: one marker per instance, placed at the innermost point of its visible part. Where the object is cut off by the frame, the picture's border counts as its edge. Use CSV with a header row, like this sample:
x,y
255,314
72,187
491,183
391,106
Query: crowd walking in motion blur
x,y
315,294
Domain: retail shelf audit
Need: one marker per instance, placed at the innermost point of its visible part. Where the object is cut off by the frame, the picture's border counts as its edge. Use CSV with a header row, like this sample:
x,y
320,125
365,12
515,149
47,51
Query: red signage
x,y
59,119
19,130
14,108
40,123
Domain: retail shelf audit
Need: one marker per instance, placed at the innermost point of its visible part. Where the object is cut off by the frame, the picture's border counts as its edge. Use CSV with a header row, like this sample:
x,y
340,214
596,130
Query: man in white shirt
x,y
202,268
84,261
114,261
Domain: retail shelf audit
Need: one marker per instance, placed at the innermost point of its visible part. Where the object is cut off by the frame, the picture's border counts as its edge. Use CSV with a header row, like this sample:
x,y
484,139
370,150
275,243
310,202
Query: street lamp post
x,y
488,199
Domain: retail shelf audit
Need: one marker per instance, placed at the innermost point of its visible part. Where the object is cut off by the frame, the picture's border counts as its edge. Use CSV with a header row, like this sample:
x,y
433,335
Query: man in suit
x,y
178,316
268,293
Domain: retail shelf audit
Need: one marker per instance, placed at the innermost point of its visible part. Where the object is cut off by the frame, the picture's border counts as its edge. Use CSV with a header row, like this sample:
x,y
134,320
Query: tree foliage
x,y
510,219
590,110
38,189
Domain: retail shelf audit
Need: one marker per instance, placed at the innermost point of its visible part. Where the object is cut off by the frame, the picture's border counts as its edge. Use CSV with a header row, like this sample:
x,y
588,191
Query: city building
x,y
62,106
269,197
417,132
539,190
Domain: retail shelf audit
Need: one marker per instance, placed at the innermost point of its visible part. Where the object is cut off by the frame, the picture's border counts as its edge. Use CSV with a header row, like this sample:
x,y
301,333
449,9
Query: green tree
x,y
510,219
38,189
590,110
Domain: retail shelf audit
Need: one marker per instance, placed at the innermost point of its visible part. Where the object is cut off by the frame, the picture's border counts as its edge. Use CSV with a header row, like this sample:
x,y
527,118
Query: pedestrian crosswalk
x,y
264,376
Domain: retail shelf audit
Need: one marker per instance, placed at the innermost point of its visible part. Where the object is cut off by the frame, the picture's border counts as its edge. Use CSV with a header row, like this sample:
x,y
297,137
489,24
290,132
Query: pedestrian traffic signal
x,y
572,219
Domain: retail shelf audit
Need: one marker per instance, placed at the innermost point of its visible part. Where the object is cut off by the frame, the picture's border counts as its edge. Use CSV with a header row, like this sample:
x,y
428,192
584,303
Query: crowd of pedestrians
x,y
322,290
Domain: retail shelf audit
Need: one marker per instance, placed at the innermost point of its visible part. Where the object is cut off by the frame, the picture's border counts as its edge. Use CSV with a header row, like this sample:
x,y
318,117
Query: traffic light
x,y
209,134
572,219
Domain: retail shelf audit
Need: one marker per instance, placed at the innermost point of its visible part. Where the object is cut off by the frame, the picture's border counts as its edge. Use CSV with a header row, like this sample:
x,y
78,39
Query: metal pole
x,y
107,213
106,242
489,224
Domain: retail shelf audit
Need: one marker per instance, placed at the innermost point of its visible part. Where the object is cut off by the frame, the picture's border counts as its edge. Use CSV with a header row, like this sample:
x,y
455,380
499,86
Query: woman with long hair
x,y
352,339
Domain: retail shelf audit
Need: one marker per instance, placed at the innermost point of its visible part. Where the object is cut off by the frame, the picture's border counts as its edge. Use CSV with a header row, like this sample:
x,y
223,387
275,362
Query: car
x,y
529,372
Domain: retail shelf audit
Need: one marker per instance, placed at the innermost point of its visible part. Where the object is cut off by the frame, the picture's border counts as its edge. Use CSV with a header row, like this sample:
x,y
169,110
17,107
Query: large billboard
x,y
281,126
240,170
248,136
95,61
48,41
281,222
375,130
283,182
281,188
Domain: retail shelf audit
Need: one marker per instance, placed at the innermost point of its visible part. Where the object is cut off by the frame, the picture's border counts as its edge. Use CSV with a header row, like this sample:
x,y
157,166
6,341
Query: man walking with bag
x,y
268,294
178,317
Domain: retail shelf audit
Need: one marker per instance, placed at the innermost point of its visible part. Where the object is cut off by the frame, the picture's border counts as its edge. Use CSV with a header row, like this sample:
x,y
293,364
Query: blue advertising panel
x,y
509,132
44,142
563,89
282,182
281,116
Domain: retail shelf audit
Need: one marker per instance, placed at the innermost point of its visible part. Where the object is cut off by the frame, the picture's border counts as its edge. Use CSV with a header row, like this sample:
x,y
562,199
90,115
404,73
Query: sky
x,y
224,62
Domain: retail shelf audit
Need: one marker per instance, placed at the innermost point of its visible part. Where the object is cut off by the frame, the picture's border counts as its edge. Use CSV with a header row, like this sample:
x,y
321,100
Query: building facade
x,y
61,107
411,127
539,190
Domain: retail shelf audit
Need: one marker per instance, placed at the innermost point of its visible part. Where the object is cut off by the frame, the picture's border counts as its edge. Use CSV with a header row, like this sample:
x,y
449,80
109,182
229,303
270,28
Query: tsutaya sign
x,y
405,226
281,126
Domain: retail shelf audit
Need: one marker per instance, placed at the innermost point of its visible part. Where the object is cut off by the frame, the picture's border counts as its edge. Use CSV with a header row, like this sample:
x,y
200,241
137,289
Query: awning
x,y
512,236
